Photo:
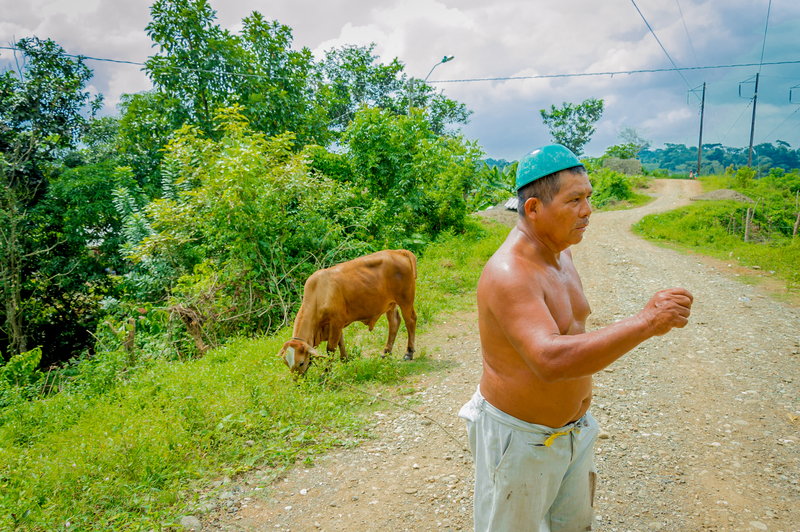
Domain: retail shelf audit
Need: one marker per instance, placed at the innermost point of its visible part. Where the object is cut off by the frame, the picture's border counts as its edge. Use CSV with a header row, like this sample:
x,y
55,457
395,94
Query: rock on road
x,y
700,426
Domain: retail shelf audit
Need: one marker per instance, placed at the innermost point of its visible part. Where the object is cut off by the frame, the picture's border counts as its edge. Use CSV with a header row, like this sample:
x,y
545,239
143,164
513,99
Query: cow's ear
x,y
289,358
282,352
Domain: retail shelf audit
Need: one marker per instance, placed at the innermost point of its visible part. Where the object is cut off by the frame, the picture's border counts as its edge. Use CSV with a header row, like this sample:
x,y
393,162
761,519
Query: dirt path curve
x,y
701,426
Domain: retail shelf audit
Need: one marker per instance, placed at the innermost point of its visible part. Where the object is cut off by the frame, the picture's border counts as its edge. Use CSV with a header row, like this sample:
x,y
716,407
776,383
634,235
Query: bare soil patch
x,y
723,194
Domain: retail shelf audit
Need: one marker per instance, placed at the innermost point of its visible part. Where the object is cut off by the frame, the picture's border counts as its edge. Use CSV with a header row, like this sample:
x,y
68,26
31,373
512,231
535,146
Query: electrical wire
x,y
687,33
470,80
764,44
737,120
612,73
795,127
779,125
661,45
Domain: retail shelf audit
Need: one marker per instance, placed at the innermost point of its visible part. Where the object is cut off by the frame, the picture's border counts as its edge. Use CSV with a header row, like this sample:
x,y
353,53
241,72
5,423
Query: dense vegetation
x,y
718,228
680,159
122,450
199,211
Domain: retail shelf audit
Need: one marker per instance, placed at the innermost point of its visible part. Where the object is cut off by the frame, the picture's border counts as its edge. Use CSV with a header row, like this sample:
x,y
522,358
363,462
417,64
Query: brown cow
x,y
359,290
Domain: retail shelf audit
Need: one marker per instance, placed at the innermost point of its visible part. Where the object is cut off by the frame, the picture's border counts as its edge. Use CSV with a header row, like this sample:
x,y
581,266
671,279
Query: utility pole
x,y
700,142
753,125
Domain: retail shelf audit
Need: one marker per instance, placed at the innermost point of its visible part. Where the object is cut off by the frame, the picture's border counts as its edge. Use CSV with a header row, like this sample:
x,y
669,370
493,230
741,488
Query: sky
x,y
504,39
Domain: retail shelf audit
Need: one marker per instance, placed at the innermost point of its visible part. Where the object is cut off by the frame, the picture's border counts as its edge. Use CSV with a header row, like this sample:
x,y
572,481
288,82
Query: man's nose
x,y
586,208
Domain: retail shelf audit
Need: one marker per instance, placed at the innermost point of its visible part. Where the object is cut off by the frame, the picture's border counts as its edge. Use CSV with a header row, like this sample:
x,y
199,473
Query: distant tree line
x,y
716,158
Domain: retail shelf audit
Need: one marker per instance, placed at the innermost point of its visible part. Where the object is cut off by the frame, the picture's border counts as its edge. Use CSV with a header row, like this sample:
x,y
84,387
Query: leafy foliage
x,y
608,186
41,115
352,77
421,180
573,125
716,158
622,151
150,436
494,185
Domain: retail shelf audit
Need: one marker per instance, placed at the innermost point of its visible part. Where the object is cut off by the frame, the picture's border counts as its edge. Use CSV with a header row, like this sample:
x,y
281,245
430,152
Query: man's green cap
x,y
545,161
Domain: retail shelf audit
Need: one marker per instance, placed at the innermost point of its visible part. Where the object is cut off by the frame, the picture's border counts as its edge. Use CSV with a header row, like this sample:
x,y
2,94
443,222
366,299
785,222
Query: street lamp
x,y
445,59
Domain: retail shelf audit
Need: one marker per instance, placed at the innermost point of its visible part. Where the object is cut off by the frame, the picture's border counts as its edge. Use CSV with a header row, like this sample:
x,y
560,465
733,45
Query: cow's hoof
x,y
409,356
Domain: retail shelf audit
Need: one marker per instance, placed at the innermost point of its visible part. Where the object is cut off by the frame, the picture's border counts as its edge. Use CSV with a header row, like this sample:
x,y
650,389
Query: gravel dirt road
x,y
700,427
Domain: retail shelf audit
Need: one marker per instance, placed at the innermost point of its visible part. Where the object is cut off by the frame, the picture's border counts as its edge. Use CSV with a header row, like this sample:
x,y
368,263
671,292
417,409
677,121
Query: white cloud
x,y
498,39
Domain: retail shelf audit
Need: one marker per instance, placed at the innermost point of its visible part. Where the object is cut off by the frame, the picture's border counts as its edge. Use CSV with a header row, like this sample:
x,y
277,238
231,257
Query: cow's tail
x,y
413,259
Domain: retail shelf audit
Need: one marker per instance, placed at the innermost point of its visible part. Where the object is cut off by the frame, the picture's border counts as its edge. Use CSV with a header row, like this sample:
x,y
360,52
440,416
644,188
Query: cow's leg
x,y
410,317
336,337
393,315
342,350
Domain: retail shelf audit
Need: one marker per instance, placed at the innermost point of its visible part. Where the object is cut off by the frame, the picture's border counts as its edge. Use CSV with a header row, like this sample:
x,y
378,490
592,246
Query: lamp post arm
x,y
444,60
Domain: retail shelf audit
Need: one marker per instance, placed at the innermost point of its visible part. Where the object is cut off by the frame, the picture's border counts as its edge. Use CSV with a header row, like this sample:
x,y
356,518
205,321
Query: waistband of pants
x,y
511,421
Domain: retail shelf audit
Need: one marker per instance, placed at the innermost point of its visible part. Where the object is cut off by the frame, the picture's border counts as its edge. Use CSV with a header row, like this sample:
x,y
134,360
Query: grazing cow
x,y
359,290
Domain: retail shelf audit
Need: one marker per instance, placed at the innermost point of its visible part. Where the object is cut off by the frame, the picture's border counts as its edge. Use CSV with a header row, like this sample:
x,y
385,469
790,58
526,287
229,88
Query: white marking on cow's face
x,y
290,356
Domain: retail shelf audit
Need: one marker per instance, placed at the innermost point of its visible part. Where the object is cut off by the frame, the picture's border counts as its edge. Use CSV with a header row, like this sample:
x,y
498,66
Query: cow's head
x,y
297,355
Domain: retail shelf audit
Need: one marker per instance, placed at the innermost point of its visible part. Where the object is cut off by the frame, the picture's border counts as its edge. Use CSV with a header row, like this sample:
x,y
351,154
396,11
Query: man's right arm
x,y
529,326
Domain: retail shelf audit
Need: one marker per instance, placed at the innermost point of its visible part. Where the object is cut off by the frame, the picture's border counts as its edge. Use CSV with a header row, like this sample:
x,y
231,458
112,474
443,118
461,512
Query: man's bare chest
x,y
567,303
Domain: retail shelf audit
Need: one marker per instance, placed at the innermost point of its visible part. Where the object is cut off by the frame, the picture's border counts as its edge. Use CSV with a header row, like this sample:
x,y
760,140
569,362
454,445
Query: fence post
x,y
796,206
796,225
747,225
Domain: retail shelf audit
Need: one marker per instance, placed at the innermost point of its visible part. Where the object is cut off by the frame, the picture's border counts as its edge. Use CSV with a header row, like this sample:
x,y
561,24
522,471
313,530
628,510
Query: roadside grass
x,y
702,228
135,456
636,200
637,197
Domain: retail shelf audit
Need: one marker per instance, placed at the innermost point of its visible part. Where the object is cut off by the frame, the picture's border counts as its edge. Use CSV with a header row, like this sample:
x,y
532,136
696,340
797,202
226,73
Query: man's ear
x,y
532,207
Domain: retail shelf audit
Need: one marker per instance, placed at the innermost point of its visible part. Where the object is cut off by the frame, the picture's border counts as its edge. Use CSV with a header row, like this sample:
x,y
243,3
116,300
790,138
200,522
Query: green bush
x,y
609,186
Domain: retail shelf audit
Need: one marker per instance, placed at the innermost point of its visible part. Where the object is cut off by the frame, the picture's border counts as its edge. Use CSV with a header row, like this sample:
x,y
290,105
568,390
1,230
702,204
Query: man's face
x,y
564,220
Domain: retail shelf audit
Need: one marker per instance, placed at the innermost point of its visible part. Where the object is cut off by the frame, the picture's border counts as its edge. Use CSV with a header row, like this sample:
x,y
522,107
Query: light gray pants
x,y
530,477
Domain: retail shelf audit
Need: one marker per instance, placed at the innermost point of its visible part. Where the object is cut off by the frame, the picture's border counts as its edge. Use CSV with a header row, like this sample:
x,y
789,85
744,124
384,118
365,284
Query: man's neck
x,y
538,246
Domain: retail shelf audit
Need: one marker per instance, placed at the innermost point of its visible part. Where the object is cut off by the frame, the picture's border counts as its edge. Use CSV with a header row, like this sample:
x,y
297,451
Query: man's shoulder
x,y
508,269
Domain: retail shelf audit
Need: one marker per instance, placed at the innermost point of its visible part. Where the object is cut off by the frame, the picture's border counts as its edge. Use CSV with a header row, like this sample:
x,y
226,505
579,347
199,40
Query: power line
x,y
795,127
779,125
469,80
81,57
182,68
764,44
613,73
687,33
661,45
737,120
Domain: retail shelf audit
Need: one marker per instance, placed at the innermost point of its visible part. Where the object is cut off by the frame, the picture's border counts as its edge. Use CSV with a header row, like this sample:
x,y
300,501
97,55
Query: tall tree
x,y
353,76
202,68
195,63
278,96
573,125
631,135
41,113
144,130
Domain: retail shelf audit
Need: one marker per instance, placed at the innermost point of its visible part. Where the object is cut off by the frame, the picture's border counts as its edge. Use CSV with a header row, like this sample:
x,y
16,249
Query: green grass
x,y
636,200
132,458
704,228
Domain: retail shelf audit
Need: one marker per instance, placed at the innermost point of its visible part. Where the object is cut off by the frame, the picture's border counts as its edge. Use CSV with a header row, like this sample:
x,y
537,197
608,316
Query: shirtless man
x,y
530,431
